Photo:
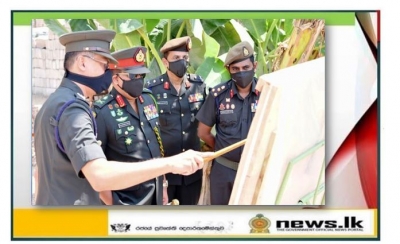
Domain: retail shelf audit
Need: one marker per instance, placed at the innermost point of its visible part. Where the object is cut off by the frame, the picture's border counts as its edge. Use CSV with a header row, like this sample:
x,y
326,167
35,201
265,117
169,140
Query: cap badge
x,y
245,51
139,56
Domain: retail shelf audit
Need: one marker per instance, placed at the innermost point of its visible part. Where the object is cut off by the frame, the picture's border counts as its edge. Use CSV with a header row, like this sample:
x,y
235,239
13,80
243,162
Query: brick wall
x,y
47,62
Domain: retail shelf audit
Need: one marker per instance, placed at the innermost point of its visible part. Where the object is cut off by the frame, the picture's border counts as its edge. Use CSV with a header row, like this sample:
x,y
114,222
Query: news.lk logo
x,y
348,224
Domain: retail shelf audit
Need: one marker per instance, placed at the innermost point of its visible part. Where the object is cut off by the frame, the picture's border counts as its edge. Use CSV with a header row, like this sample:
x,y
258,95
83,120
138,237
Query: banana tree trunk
x,y
300,46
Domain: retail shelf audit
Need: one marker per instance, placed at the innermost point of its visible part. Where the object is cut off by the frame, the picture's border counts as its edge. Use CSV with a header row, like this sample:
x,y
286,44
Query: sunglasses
x,y
104,63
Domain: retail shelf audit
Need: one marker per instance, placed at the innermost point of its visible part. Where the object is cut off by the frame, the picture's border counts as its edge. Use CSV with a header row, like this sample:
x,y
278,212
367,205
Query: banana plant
x,y
211,40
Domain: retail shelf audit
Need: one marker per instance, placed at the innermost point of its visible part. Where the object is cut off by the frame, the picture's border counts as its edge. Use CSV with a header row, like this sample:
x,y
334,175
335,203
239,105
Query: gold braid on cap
x,y
159,140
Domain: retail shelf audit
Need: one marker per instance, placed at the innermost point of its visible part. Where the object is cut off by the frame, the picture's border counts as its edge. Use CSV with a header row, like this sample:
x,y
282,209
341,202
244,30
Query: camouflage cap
x,y
96,41
132,60
183,44
239,52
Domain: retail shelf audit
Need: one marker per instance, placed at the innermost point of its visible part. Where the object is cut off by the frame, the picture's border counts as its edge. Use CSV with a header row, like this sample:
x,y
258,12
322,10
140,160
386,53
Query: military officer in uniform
x,y
230,106
72,167
179,96
128,127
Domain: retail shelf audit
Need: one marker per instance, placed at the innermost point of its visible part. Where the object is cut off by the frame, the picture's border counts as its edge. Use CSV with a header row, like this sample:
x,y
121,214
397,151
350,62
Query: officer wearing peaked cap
x,y
231,107
71,164
128,127
179,96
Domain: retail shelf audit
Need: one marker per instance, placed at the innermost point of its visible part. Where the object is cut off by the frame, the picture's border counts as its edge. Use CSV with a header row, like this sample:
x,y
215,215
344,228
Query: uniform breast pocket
x,y
227,120
164,112
126,138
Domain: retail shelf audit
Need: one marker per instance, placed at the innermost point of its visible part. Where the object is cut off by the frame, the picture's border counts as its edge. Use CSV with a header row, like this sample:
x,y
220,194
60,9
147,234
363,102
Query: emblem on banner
x,y
259,224
120,227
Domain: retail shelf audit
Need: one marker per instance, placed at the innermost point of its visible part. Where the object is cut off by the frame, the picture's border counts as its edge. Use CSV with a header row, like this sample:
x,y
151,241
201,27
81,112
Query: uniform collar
x,y
253,87
67,83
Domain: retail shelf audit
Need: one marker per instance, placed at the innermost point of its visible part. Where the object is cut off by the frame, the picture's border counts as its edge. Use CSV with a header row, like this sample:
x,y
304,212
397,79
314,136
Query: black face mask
x,y
178,67
133,87
244,78
97,84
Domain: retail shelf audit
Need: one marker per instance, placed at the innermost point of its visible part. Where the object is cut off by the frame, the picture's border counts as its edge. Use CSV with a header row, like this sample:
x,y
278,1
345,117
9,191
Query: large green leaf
x,y
122,41
79,25
175,26
211,46
55,26
226,36
202,49
212,70
92,24
256,27
196,54
105,23
125,25
211,25
154,70
288,26
151,24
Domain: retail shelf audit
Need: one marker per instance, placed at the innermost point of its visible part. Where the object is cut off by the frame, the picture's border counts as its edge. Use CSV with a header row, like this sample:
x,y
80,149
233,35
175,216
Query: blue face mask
x,y
97,84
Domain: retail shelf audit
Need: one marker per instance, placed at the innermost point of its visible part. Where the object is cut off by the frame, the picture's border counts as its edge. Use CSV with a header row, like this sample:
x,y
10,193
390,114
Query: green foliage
x,y
211,40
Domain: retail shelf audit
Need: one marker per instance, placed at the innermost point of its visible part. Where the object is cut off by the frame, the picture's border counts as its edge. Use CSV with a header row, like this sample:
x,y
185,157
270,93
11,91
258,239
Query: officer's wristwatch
x,y
165,183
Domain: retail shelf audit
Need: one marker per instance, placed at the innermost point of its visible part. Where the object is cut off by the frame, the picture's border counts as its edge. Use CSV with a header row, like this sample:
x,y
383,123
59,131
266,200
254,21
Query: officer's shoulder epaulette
x,y
194,78
103,101
145,90
218,89
154,82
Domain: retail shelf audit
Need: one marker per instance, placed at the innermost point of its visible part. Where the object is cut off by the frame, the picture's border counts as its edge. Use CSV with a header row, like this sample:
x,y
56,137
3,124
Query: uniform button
x,y
180,98
148,141
126,133
183,132
141,123
156,123
161,111
183,150
182,115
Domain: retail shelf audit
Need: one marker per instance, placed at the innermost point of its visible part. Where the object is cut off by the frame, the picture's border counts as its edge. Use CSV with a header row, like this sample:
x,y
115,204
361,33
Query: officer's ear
x,y
80,61
165,62
255,65
227,68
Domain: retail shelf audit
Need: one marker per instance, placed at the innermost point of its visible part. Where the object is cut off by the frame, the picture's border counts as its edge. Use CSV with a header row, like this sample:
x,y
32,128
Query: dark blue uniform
x,y
61,180
128,136
177,111
232,116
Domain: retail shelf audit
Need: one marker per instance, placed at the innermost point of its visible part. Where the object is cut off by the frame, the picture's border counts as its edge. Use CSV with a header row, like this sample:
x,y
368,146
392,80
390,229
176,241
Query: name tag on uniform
x,y
229,111
150,111
124,124
162,102
197,97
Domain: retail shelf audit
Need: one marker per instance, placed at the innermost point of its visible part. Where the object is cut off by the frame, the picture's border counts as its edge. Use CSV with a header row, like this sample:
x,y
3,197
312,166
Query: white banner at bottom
x,y
225,223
